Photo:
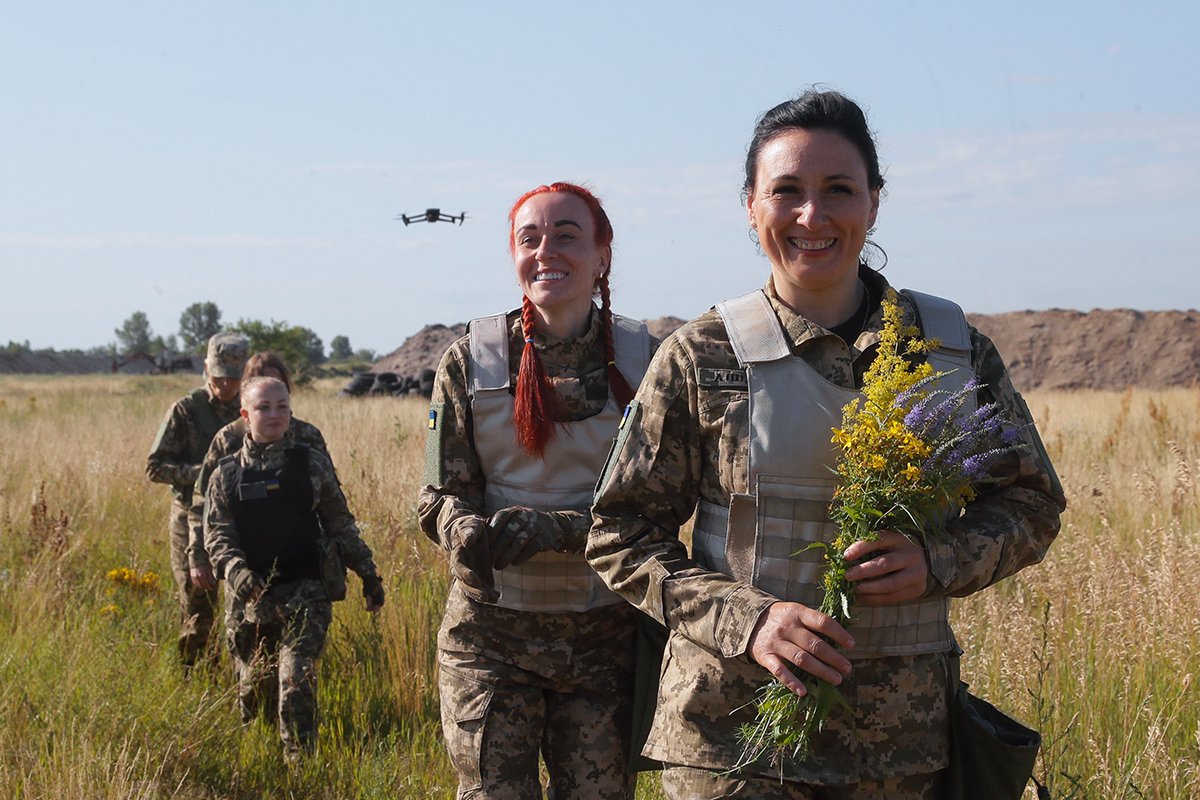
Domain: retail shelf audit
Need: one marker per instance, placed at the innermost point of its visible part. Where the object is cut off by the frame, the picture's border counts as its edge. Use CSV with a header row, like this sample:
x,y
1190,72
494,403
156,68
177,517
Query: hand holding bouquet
x,y
911,456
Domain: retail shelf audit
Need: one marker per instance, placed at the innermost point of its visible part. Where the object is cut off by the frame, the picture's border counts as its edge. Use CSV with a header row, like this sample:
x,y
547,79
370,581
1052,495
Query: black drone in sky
x,y
432,215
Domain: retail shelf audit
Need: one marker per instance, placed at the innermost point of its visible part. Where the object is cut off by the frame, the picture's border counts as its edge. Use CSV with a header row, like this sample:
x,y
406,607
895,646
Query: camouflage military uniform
x,y
175,458
515,682
276,640
684,440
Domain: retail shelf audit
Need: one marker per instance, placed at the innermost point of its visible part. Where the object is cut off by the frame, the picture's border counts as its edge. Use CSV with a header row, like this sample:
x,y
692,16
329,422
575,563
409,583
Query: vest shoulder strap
x,y
945,321
206,421
489,353
631,340
941,319
231,470
753,328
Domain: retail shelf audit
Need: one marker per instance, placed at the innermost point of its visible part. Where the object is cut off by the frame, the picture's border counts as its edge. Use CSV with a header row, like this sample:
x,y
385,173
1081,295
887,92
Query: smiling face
x,y
555,254
812,206
267,409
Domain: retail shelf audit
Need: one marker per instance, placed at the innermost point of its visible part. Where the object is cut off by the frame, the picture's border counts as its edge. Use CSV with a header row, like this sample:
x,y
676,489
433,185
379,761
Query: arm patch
x,y
433,445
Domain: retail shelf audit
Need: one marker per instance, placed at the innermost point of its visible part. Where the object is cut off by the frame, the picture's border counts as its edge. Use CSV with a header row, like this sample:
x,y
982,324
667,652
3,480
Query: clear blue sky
x,y
157,154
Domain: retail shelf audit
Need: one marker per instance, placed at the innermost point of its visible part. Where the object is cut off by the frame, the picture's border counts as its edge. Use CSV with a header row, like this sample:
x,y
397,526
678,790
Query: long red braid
x,y
536,406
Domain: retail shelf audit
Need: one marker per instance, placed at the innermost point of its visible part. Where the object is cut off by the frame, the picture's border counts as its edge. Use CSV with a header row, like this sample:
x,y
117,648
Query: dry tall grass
x,y
1098,646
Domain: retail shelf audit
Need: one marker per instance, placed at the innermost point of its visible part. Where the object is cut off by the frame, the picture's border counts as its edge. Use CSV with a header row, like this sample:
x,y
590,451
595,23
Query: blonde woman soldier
x,y
257,693
273,509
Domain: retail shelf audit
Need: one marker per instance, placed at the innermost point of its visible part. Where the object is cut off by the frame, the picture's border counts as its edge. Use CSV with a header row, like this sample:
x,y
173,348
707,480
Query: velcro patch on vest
x,y
712,378
257,490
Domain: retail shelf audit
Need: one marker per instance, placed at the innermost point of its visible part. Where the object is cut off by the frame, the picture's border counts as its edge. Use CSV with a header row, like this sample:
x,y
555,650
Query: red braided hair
x,y
535,409
536,405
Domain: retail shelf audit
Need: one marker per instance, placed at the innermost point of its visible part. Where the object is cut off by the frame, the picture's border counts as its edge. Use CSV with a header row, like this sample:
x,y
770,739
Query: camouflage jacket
x,y
454,480
181,444
229,440
684,439
220,530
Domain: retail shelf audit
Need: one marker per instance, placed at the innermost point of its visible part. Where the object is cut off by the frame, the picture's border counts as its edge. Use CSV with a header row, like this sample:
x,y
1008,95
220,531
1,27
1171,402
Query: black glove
x,y
471,561
518,533
245,584
373,591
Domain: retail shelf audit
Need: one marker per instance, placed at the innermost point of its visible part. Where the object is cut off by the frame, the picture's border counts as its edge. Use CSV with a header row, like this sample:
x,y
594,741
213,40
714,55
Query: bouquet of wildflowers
x,y
910,459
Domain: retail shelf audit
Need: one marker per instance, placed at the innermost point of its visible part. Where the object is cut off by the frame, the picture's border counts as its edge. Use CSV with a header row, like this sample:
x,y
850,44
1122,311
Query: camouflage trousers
x,y
197,607
515,684
690,783
274,645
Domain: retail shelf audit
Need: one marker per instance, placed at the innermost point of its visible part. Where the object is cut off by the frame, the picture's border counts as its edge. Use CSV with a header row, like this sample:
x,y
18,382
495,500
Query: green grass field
x,y
1097,647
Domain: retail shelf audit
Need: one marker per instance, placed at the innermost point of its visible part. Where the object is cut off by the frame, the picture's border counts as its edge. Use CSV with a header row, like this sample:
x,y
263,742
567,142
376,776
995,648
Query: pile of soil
x,y
423,350
1055,349
1100,349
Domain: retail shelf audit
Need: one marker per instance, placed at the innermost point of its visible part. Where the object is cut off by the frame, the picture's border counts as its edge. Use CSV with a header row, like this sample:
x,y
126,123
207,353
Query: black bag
x,y
991,754
651,642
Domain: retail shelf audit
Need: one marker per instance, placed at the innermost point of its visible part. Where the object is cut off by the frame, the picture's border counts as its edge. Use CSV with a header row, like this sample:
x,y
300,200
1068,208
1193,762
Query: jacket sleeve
x,y
336,520
169,460
452,494
1013,519
227,441
648,490
221,538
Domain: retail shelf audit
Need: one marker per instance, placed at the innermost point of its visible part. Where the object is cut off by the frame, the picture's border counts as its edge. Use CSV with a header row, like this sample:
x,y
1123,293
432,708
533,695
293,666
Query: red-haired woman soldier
x,y
536,654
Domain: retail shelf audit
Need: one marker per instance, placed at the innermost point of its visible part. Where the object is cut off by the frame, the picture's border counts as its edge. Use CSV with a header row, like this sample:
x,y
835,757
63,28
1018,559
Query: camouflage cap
x,y
227,354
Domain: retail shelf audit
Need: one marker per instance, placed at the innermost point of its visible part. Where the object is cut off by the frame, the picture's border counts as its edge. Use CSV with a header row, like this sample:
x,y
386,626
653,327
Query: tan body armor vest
x,y
793,411
564,479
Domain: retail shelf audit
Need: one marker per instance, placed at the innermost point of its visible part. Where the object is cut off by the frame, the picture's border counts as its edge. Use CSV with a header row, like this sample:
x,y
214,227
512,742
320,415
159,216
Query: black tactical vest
x,y
276,522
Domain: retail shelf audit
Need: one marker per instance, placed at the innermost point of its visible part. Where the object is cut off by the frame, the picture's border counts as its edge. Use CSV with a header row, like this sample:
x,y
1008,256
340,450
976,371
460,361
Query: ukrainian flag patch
x,y
432,419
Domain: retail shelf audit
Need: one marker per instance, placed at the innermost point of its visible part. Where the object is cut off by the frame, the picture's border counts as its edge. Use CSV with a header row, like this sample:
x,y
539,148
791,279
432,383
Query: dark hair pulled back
x,y
815,110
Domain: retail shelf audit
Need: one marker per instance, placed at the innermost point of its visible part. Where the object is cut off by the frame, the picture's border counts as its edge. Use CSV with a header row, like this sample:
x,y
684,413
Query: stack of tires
x,y
389,384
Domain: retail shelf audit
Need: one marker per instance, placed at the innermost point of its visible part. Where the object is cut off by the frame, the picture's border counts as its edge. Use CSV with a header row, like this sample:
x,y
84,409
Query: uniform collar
x,y
799,330
568,351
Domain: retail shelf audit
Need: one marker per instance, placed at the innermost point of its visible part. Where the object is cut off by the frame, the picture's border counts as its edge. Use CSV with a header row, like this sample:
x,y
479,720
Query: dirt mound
x,y
660,328
421,351
1055,349
1099,349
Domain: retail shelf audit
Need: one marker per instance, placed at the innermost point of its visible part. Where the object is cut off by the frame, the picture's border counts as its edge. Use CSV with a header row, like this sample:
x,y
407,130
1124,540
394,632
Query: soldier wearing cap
x,y
175,457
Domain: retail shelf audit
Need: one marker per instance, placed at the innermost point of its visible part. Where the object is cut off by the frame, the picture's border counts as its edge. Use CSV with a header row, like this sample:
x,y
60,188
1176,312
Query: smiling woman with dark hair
x,y
732,427
535,653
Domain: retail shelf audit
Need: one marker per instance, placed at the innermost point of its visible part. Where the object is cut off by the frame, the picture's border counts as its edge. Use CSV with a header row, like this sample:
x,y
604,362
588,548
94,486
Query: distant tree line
x,y
299,346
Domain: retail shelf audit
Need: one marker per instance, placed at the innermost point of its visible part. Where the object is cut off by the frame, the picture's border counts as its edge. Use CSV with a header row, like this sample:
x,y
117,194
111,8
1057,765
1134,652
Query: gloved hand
x,y
471,561
518,533
373,592
245,584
